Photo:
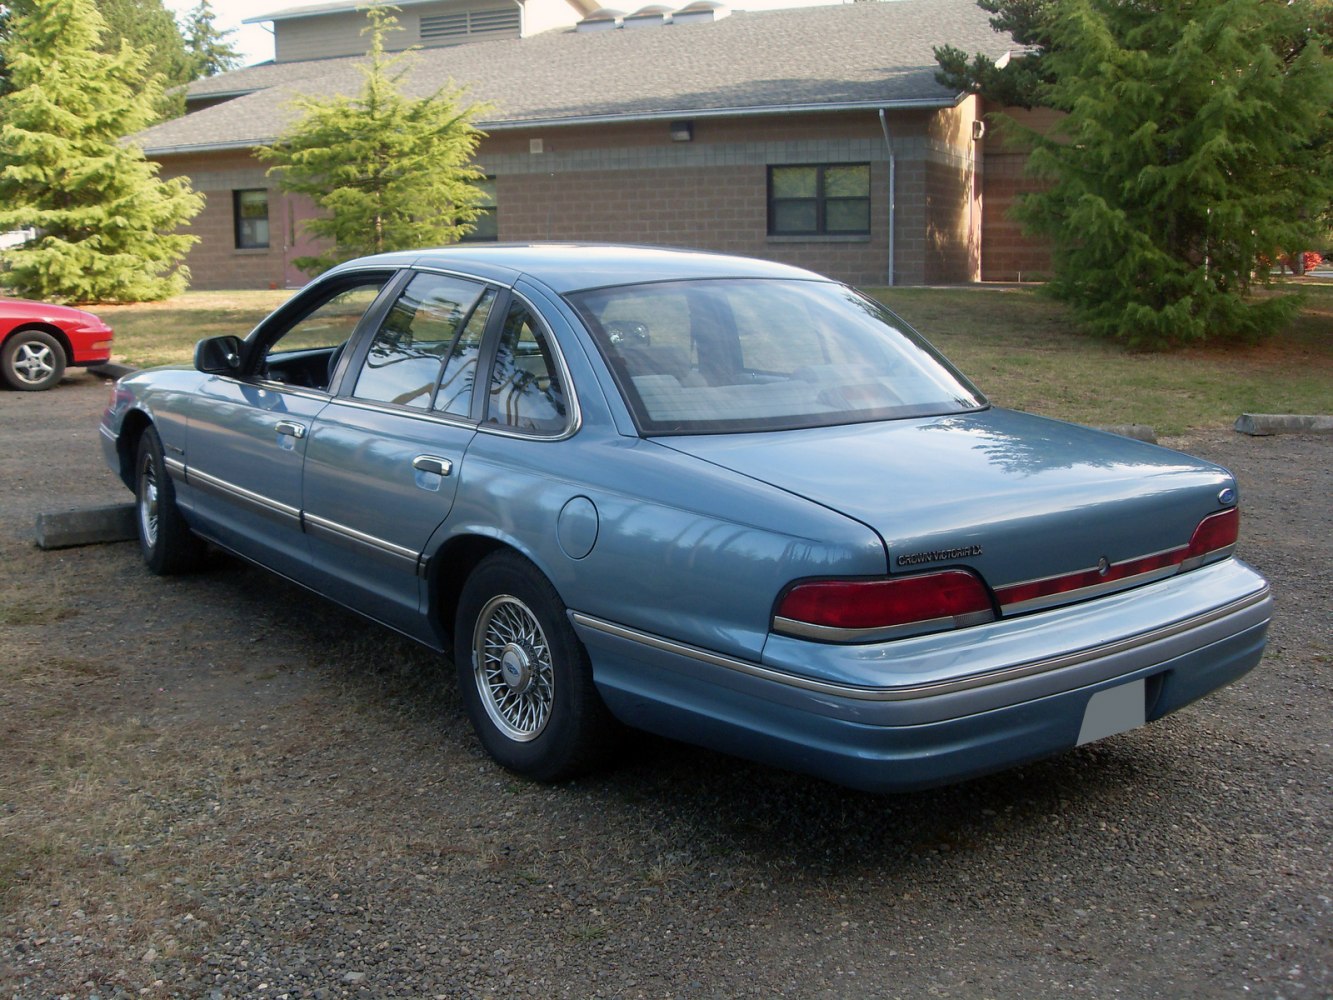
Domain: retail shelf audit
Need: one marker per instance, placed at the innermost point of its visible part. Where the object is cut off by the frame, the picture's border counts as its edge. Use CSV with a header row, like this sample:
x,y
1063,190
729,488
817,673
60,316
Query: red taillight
x,y
1215,536
867,610
1213,539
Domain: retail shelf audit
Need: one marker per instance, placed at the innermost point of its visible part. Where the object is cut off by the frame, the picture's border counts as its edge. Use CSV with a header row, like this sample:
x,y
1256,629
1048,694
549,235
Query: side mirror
x,y
218,356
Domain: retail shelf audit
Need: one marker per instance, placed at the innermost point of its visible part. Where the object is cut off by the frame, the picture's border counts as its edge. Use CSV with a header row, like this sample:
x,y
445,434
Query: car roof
x,y
569,267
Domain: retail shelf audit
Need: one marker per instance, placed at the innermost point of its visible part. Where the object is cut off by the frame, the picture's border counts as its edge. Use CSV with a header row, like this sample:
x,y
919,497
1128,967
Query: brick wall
x,y
632,183
1006,253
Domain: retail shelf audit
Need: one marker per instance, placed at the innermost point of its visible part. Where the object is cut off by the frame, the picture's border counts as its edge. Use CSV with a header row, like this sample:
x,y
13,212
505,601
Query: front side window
x,y
250,212
729,355
526,393
307,350
820,200
419,332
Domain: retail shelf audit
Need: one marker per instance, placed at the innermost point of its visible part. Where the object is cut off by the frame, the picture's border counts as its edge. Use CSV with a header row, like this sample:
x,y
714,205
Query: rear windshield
x,y
727,355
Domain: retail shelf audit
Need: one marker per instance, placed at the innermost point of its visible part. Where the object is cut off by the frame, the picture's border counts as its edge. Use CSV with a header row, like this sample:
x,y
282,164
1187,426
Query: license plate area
x,y
1114,710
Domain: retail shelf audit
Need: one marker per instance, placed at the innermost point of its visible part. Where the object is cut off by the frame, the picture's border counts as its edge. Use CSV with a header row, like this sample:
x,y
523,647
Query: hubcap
x,y
512,667
34,363
148,504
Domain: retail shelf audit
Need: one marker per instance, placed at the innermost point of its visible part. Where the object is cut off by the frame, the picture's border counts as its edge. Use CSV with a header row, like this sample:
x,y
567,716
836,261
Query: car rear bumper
x,y
945,708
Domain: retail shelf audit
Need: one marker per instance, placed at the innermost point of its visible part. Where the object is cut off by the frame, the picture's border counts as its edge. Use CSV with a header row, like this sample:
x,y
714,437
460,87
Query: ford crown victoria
x,y
719,499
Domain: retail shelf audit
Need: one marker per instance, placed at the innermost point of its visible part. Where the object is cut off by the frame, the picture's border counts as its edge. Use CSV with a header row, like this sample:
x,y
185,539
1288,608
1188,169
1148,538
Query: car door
x,y
384,457
248,433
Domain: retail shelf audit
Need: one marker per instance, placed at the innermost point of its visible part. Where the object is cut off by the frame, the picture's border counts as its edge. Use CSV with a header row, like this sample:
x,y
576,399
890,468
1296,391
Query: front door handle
x,y
290,428
431,464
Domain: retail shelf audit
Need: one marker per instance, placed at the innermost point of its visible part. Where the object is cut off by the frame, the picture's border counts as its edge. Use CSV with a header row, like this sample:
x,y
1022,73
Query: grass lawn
x,y
1017,346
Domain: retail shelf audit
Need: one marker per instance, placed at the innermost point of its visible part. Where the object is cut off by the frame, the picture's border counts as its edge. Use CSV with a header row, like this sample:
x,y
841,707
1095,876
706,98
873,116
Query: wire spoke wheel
x,y
167,544
148,501
512,666
525,679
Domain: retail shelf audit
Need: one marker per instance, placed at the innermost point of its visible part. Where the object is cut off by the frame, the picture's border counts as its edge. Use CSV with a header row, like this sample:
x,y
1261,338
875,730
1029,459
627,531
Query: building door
x,y
297,241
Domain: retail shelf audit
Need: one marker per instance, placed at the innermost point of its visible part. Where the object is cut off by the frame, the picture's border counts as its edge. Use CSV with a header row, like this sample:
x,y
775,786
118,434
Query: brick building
x,y
816,136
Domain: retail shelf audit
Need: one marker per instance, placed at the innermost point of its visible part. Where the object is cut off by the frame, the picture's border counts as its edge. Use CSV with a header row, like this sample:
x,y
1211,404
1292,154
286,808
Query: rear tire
x,y
32,360
167,544
524,676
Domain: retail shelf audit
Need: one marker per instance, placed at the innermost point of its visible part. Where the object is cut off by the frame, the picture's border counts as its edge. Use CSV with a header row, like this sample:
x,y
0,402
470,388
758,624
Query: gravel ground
x,y
223,787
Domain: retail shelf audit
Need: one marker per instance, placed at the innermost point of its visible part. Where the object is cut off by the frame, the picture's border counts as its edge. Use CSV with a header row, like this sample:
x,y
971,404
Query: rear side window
x,y
419,333
526,392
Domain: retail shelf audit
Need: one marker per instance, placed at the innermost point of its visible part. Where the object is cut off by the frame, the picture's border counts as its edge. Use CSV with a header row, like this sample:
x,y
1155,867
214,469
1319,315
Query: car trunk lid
x,y
1046,512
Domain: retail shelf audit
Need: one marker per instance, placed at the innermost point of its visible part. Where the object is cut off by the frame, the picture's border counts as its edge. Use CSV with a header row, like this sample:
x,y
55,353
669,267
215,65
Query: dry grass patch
x,y
164,333
1023,352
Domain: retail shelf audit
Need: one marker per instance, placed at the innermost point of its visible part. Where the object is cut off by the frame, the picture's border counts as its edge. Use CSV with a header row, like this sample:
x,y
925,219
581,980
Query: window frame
x,y
372,335
490,209
821,200
238,220
486,366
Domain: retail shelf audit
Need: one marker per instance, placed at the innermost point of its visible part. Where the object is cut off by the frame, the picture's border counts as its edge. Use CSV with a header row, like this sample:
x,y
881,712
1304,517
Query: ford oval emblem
x,y
1227,497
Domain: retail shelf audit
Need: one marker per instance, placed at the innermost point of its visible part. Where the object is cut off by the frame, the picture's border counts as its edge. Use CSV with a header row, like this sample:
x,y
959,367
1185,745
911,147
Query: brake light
x,y
1213,539
869,610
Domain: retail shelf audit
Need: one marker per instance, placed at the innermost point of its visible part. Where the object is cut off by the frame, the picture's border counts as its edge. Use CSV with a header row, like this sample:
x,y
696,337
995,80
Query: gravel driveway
x,y
220,786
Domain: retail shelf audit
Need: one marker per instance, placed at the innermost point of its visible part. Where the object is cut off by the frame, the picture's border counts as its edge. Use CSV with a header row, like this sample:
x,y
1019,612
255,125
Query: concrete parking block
x,y
1264,424
65,529
1139,432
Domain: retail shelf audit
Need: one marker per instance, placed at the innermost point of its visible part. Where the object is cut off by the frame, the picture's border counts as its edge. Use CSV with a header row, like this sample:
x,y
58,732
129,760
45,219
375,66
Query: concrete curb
x,y
66,529
1265,424
1139,432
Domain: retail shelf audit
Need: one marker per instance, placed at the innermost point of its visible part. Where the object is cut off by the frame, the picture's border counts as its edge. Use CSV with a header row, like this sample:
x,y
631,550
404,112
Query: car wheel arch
x,y
132,428
46,328
449,568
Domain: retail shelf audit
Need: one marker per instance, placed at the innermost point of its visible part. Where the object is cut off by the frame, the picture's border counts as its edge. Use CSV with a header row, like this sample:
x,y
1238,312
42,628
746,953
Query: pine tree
x,y
391,172
150,29
210,51
106,224
1195,151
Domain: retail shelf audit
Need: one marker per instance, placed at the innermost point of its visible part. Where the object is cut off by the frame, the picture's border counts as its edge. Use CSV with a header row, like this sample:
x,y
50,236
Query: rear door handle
x,y
290,428
431,464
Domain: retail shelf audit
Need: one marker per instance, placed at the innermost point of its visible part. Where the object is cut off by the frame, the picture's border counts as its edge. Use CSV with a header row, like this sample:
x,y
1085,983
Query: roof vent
x,y
601,19
701,11
652,16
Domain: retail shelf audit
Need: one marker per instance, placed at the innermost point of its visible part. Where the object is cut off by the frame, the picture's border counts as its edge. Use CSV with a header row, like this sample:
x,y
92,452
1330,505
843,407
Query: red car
x,y
39,341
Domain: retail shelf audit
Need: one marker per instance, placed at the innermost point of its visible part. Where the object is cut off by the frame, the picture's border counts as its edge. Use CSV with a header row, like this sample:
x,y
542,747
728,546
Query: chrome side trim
x,y
432,416
911,692
248,498
285,388
829,633
399,555
175,467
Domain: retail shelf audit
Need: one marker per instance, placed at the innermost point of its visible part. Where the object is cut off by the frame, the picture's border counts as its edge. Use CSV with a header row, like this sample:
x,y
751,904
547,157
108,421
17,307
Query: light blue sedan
x,y
723,500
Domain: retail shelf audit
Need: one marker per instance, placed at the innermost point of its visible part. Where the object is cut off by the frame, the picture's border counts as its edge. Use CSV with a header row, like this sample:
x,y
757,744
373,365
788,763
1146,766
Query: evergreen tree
x,y
210,51
390,172
1019,82
152,30
106,224
1195,151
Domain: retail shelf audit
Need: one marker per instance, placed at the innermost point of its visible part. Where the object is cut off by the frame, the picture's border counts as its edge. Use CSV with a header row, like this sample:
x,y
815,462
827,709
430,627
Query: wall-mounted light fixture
x,y
682,131
978,130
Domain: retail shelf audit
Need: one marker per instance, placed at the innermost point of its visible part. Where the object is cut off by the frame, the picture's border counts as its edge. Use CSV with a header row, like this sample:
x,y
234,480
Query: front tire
x,y
167,544
32,360
524,676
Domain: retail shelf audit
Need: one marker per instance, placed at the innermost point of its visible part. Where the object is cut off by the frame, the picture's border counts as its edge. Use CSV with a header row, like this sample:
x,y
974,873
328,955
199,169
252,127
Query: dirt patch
x,y
222,787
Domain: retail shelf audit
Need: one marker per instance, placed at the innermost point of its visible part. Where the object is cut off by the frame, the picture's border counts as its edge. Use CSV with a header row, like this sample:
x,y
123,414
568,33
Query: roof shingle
x,y
869,54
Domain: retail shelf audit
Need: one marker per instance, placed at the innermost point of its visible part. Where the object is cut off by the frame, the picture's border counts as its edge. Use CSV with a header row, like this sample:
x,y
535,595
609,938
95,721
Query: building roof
x,y
315,10
866,55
